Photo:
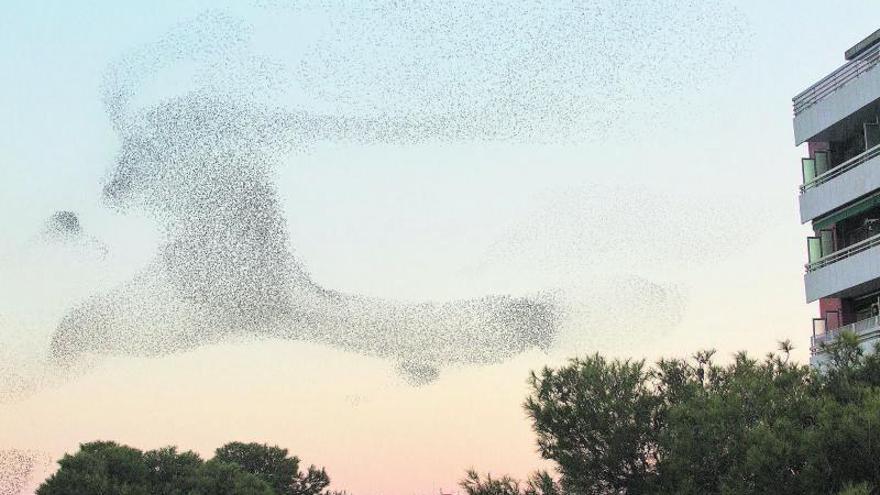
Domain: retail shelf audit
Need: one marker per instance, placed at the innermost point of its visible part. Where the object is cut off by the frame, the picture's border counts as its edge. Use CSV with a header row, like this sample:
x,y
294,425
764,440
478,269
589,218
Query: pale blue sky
x,y
720,133
702,147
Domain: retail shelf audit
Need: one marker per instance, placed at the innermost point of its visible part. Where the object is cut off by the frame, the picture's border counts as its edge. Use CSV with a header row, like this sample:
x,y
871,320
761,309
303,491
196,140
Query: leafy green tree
x,y
474,484
691,426
105,468
541,483
273,465
172,473
594,418
734,429
222,478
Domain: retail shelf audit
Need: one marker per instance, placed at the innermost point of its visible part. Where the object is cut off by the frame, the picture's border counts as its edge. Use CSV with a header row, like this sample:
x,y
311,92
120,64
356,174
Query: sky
x,y
667,214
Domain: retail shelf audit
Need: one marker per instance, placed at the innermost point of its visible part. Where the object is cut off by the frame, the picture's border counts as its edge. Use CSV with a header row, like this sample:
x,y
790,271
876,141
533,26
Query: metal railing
x,y
837,79
844,253
866,329
842,168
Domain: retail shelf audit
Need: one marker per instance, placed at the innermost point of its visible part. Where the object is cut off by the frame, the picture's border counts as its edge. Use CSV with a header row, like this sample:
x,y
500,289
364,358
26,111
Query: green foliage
x,y
107,468
473,484
172,473
99,467
737,430
541,483
221,478
691,426
610,407
860,489
274,466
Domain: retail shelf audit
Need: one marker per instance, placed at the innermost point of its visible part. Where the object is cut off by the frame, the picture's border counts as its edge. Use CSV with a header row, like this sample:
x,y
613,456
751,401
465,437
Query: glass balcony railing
x,y
815,173
867,329
815,245
836,80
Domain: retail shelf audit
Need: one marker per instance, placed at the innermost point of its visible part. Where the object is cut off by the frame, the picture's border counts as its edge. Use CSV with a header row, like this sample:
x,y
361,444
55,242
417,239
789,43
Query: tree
x,y
473,484
691,426
594,418
739,430
99,467
107,468
541,483
273,465
222,478
172,473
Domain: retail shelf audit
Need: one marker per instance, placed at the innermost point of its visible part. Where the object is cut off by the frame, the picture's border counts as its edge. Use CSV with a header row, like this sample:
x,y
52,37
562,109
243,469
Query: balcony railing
x,y
844,253
842,168
837,79
866,329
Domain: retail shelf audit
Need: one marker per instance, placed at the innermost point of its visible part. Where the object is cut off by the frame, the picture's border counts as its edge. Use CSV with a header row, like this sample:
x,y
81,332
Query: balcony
x,y
852,269
836,80
838,95
840,185
851,250
867,331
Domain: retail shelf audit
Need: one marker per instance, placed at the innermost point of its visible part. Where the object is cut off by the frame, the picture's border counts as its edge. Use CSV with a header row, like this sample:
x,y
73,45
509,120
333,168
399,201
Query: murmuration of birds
x,y
200,163
18,468
62,225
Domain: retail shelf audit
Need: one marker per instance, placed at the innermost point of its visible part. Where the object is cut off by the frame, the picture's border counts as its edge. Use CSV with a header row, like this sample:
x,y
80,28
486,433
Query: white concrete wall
x,y
835,107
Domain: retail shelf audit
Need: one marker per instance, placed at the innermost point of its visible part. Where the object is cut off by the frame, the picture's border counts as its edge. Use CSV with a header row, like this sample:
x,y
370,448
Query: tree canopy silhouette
x,y
692,426
108,468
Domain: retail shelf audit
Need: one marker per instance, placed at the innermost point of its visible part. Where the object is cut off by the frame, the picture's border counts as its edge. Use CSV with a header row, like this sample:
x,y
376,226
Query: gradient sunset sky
x,y
670,219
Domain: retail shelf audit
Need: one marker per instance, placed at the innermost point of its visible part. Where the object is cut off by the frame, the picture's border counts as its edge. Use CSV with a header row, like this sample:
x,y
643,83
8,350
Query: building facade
x,y
839,119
